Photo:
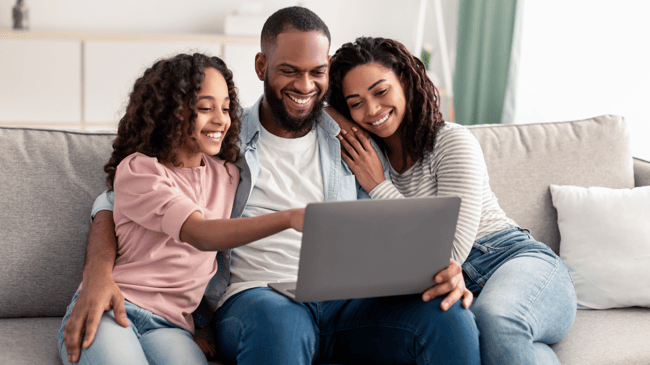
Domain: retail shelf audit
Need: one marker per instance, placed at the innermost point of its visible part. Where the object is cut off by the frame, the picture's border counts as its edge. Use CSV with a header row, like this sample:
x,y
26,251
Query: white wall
x,y
584,58
347,19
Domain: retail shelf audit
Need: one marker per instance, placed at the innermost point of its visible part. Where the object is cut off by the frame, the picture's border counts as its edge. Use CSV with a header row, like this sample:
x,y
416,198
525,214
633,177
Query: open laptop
x,y
372,248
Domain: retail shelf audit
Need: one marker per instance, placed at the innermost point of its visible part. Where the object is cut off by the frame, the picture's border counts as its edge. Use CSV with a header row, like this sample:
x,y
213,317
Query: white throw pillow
x,y
605,243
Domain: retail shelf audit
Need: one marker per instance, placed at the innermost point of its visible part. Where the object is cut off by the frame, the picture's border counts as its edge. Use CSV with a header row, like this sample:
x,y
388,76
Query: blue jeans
x,y
150,339
259,326
525,298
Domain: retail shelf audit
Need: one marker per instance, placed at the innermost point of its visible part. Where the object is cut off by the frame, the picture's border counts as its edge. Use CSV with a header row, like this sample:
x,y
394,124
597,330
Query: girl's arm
x,y
146,193
222,234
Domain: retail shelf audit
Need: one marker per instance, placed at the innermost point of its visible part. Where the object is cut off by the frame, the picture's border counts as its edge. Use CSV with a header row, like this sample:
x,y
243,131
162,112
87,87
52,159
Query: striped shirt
x,y
456,167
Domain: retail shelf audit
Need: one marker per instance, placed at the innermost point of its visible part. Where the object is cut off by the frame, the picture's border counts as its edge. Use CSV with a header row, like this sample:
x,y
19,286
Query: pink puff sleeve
x,y
147,194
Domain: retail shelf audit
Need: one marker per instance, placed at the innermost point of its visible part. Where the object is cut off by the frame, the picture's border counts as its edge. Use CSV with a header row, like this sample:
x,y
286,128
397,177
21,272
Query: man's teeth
x,y
381,120
213,134
299,101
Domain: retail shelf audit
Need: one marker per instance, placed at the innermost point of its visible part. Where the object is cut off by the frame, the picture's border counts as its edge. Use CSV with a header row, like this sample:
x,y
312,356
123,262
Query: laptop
x,y
372,248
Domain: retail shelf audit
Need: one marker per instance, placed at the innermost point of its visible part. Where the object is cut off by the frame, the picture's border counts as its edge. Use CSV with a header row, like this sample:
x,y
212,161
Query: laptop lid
x,y
371,248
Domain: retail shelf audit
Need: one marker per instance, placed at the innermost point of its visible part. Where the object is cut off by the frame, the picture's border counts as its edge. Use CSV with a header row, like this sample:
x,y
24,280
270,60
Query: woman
x,y
525,296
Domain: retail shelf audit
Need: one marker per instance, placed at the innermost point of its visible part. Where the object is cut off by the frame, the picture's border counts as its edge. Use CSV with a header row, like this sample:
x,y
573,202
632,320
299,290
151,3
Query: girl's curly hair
x,y
422,116
154,123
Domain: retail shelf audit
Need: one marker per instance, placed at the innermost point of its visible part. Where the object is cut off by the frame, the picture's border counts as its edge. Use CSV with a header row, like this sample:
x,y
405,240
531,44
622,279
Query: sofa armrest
x,y
641,172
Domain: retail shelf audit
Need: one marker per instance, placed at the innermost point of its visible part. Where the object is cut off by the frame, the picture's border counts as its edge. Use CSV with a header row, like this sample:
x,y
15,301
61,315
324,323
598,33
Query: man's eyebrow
x,y
370,88
296,68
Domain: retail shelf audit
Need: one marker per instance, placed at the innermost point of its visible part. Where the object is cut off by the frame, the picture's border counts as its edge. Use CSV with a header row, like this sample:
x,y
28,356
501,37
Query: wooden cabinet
x,y
40,81
82,80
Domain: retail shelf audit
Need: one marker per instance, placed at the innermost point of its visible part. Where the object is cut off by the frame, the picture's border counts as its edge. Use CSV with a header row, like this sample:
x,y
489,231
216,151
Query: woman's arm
x,y
362,162
222,234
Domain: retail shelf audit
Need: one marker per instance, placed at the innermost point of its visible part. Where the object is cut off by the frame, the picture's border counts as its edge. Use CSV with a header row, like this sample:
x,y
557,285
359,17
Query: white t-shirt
x,y
290,177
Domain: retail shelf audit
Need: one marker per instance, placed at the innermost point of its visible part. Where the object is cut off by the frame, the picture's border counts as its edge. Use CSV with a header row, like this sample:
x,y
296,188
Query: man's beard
x,y
282,117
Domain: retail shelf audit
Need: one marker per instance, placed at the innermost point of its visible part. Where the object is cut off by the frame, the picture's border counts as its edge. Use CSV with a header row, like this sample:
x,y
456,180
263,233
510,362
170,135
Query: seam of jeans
x,y
532,303
239,334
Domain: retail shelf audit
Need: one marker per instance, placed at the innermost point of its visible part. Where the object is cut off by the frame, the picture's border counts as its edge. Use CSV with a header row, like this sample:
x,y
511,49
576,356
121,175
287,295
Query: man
x,y
291,157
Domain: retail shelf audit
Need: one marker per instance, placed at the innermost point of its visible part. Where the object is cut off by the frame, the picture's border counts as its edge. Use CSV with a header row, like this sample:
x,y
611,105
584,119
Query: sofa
x,y
49,179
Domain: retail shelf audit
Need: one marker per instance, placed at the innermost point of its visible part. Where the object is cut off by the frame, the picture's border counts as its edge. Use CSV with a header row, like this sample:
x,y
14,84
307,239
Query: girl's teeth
x,y
214,135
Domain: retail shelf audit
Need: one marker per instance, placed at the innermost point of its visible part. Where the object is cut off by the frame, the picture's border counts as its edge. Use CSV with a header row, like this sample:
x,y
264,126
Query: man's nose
x,y
305,83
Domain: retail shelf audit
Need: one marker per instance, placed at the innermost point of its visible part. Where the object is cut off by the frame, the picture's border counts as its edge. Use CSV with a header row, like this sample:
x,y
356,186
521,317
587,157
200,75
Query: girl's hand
x,y
359,153
450,281
296,218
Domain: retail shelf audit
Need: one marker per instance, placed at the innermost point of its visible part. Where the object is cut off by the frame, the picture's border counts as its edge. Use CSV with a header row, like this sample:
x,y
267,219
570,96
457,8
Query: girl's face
x,y
212,119
375,97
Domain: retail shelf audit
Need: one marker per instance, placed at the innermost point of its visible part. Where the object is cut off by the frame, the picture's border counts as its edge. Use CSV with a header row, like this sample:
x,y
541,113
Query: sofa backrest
x,y
48,181
524,159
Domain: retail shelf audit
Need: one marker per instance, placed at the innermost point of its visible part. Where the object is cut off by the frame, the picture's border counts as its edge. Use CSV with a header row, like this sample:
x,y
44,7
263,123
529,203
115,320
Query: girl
x,y
527,299
174,180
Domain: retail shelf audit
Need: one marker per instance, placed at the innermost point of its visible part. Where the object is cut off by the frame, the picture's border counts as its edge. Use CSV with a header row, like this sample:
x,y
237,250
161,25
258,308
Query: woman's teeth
x,y
381,120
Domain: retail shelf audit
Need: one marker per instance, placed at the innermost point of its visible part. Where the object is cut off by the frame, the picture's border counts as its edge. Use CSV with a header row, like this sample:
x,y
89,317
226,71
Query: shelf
x,y
6,33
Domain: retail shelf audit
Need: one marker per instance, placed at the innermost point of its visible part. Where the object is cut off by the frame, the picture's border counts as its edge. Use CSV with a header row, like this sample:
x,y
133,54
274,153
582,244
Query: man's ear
x,y
260,65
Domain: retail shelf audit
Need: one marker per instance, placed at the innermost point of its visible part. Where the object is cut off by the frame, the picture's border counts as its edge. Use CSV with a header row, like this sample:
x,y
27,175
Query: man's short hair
x,y
296,17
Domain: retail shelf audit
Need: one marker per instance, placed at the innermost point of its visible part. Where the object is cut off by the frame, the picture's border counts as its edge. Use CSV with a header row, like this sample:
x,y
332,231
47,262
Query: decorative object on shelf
x,y
20,15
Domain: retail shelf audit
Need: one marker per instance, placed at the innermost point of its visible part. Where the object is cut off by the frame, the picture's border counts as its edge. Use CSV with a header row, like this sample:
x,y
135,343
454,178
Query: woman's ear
x,y
260,65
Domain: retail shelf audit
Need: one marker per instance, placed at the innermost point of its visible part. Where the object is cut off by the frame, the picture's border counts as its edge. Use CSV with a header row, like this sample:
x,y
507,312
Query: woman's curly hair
x,y
422,116
154,122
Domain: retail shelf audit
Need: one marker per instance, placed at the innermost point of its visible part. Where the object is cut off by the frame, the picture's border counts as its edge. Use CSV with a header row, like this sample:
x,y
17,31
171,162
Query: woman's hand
x,y
359,153
450,281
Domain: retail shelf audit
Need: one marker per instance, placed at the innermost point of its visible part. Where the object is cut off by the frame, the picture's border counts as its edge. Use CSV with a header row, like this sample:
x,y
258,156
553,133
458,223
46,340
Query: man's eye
x,y
382,92
354,105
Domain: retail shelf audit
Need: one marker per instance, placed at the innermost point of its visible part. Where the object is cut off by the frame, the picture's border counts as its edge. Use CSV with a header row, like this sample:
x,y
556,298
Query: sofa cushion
x,y
607,337
49,180
606,244
524,159
29,341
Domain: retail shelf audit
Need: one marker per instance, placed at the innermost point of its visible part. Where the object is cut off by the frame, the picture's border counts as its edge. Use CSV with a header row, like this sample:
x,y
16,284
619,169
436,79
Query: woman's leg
x,y
260,326
113,343
527,303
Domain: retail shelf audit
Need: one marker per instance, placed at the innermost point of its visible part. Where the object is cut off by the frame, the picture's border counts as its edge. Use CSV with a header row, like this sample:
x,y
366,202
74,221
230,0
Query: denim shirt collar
x,y
251,125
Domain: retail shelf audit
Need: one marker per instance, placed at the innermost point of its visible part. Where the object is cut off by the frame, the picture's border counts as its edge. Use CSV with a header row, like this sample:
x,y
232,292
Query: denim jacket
x,y
339,184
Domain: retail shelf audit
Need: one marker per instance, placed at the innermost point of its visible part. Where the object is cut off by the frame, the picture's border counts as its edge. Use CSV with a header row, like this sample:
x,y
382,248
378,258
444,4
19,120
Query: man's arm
x,y
99,292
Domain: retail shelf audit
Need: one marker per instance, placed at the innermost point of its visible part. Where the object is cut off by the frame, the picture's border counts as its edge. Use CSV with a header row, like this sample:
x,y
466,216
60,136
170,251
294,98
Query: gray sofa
x,y
49,179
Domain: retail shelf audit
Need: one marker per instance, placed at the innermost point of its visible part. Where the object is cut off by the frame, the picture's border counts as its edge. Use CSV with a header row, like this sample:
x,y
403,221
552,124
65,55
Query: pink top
x,y
154,269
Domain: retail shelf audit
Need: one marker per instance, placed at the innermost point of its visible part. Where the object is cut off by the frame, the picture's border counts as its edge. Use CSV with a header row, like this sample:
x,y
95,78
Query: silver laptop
x,y
372,248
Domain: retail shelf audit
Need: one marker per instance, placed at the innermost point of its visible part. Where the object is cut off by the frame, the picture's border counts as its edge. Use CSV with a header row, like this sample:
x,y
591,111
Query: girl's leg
x,y
171,346
527,303
113,344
